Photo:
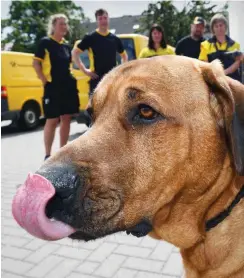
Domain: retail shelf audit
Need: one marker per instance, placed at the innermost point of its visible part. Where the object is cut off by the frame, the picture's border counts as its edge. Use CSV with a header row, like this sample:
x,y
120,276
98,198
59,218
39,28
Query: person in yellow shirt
x,y
222,47
157,44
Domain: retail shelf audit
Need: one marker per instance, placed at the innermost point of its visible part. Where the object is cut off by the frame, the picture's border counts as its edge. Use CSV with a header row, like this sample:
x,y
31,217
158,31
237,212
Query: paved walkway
x,y
117,256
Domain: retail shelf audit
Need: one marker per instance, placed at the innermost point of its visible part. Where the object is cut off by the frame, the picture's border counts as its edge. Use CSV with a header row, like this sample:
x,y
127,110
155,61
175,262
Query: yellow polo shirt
x,y
147,52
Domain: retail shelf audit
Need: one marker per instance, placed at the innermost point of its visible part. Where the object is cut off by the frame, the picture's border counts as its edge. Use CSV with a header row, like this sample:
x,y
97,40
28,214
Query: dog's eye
x,y
144,114
147,113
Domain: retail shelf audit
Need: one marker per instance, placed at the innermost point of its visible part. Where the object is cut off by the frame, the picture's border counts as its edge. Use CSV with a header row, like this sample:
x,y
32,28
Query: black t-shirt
x,y
55,57
104,49
189,47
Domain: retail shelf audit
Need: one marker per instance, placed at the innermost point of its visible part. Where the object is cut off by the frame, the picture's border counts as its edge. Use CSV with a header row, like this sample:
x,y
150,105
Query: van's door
x,y
21,80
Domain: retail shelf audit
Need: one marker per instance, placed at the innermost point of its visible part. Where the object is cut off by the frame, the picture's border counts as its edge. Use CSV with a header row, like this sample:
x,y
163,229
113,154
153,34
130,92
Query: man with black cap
x,y
190,45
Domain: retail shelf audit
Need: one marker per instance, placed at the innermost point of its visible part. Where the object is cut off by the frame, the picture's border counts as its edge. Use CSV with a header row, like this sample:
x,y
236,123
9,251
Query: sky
x,y
118,8
114,8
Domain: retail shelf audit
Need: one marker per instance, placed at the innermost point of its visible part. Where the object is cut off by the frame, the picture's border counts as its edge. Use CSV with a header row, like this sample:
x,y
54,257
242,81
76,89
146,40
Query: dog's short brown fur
x,y
176,171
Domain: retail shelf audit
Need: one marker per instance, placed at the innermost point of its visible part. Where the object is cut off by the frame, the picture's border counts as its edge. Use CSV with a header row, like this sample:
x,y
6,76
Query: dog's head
x,y
164,131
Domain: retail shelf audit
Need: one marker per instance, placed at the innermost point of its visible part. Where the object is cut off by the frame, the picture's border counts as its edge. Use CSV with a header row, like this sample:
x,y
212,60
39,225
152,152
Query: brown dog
x,y
165,156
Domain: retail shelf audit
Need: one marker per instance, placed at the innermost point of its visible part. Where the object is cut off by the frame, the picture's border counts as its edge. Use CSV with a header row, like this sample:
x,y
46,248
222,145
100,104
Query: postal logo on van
x,y
14,64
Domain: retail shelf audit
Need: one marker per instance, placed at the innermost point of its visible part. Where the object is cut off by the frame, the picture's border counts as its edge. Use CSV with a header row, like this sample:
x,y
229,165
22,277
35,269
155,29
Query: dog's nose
x,y
66,182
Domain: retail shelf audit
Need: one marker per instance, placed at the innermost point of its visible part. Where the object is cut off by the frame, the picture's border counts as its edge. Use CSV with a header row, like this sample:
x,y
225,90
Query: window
x,y
85,60
129,48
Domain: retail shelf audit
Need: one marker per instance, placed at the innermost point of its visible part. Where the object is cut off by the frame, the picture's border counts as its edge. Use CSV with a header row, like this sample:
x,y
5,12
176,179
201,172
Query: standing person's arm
x,y
121,50
82,45
124,57
37,62
236,64
233,67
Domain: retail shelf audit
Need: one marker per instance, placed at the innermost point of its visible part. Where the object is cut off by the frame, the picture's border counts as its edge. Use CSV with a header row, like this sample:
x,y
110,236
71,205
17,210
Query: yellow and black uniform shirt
x,y
103,49
212,49
55,57
148,52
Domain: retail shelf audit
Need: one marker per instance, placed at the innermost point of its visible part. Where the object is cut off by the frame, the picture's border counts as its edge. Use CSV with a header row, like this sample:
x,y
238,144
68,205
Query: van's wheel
x,y
29,116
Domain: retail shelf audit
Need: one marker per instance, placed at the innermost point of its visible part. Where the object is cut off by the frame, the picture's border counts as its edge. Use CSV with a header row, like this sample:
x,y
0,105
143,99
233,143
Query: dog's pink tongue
x,y
28,209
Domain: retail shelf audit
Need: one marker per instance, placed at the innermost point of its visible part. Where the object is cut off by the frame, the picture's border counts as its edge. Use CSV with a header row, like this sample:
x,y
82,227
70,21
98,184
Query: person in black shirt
x,y
190,45
104,46
52,61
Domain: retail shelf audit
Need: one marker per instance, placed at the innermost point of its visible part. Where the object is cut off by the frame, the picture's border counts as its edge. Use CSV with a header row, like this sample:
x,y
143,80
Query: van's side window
x,y
129,47
85,60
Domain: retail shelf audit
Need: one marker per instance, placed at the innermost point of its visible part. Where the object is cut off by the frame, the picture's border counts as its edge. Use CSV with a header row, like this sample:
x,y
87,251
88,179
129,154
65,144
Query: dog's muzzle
x,y
44,205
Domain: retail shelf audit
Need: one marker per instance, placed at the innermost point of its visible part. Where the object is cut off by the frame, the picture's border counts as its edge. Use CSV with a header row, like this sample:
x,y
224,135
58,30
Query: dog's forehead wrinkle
x,y
132,93
166,77
163,90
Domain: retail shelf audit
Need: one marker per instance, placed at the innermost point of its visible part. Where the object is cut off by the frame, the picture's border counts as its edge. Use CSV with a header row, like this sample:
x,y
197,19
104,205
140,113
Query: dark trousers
x,y
93,84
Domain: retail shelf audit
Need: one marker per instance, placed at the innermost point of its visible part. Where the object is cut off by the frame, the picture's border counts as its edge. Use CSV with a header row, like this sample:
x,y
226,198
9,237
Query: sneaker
x,y
47,156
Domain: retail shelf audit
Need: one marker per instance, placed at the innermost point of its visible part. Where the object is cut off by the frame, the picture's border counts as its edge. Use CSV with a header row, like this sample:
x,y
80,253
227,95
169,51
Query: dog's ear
x,y
227,102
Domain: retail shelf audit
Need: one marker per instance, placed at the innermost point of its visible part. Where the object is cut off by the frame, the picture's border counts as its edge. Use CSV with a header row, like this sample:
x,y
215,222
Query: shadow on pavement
x,y
76,135
13,130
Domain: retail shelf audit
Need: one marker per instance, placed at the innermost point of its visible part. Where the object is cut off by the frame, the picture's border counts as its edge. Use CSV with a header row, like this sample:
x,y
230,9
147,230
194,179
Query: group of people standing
x,y
219,46
52,64
53,57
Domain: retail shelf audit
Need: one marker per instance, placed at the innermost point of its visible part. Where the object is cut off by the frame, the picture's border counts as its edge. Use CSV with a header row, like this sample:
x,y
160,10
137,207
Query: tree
x,y
28,21
177,23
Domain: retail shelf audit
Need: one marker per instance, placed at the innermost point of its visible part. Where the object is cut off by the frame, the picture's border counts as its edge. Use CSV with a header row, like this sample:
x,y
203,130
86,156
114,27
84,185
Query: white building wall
x,y
236,21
